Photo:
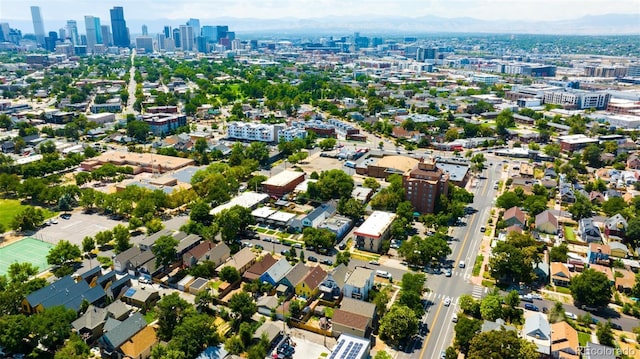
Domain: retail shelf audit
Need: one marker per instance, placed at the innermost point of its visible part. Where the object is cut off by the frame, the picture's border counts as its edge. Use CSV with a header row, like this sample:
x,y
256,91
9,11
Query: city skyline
x,y
55,13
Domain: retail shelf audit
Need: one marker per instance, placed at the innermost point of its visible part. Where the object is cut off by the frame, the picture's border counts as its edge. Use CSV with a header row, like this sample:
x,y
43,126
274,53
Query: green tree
x,y
581,208
351,208
469,305
295,309
318,238
74,348
104,237
371,182
171,310
327,144
605,334
28,219
508,200
232,221
343,257
513,259
229,274
13,330
21,272
398,324
559,253
491,307
331,184
200,213
466,329
154,225
557,313
193,333
242,303
138,130
591,156
165,250
501,344
613,206
63,253
121,236
591,288
51,327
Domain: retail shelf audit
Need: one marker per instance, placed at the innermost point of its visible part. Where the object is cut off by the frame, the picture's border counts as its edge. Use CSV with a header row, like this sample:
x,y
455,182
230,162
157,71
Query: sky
x,y
55,12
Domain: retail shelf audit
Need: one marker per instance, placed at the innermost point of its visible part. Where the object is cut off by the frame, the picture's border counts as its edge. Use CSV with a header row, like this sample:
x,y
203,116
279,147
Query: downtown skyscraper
x,y
38,24
119,27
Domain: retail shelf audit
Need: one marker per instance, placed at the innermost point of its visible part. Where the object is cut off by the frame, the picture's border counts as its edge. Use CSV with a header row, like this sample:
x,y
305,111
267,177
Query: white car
x,y
536,296
447,301
454,318
571,315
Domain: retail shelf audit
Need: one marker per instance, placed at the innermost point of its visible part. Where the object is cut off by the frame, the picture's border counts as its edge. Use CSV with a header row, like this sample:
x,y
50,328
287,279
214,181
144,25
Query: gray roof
x,y
359,307
297,273
279,270
359,277
188,241
110,324
268,301
488,325
92,318
185,174
537,324
150,240
328,208
126,256
117,309
456,171
218,253
340,274
272,330
140,294
125,330
615,221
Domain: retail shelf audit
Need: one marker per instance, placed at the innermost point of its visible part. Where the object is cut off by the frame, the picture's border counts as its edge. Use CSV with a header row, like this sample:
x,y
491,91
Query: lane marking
x,y
426,340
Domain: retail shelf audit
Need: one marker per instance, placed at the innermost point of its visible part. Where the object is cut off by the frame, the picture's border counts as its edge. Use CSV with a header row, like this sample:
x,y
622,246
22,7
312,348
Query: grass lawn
x,y
216,285
478,264
150,316
583,338
260,230
8,209
568,234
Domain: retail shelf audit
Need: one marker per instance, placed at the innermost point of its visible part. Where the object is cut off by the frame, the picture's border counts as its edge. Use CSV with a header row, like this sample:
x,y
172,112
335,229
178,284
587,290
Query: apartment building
x,y
424,184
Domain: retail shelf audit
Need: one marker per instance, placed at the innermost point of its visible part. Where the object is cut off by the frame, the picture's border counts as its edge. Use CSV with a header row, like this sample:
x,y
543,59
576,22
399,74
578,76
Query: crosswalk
x,y
478,291
438,297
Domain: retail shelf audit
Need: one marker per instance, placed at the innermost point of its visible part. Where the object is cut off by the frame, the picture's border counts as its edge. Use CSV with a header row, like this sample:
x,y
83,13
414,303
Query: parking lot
x,y
310,345
74,229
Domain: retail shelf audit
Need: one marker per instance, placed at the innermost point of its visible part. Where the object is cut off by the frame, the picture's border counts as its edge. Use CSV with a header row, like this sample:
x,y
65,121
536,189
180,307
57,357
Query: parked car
x,y
616,326
312,259
247,244
259,246
65,215
327,262
284,252
526,298
483,229
374,263
383,274
447,272
571,315
342,246
529,306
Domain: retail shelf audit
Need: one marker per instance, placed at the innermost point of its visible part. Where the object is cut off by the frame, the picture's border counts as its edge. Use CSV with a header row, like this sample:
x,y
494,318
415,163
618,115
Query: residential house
x,y
564,341
560,275
633,161
588,231
66,292
241,261
359,284
619,250
295,276
106,279
141,297
319,214
541,271
111,341
624,280
603,269
599,254
276,272
89,325
499,324
140,344
266,304
611,193
596,197
117,287
546,222
259,268
91,275
550,173
566,193
271,330
310,285
514,216
334,282
354,317
193,256
118,310
123,259
537,330
615,226
218,254
597,351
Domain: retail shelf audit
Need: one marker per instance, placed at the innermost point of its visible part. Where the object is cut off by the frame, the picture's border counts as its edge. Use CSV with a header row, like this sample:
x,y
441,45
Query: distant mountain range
x,y
608,24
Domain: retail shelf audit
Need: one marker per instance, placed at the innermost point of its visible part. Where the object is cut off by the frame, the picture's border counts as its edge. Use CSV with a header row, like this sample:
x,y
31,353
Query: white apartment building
x,y
251,131
579,99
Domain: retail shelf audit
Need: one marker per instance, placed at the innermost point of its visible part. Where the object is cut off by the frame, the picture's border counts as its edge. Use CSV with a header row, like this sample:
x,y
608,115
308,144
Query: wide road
x,y
465,247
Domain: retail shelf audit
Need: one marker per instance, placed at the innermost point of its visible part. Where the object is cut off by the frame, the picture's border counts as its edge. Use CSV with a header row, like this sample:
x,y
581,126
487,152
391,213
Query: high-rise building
x,y
167,32
119,27
145,43
38,24
72,32
106,35
195,24
90,24
62,33
221,32
98,27
50,41
186,38
176,38
424,185
4,31
145,31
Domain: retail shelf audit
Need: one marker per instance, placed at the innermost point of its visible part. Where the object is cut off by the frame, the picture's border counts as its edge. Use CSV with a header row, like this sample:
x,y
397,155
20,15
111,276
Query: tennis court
x,y
26,250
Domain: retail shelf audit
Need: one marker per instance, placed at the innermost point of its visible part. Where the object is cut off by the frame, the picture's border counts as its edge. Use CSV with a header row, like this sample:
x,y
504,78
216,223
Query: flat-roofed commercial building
x,y
141,162
570,143
374,230
282,183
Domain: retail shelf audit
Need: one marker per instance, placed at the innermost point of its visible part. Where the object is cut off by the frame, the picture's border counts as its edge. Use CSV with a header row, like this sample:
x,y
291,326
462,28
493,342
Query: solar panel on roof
x,y
130,292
